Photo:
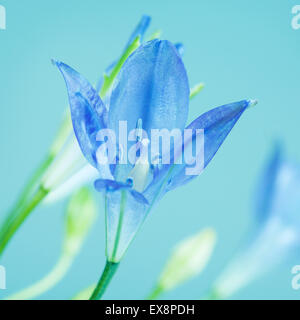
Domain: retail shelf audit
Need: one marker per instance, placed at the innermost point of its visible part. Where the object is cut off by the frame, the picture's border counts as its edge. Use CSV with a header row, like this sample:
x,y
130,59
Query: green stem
x,y
120,223
109,271
28,189
20,210
47,282
35,178
155,293
13,223
109,79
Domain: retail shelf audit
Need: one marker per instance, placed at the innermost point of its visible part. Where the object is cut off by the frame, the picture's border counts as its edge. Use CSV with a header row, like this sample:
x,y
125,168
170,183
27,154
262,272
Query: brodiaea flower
x,y
150,92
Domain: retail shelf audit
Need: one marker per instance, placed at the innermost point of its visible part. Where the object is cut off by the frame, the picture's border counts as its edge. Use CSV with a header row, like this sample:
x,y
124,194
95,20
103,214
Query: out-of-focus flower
x,y
80,216
277,209
187,260
150,92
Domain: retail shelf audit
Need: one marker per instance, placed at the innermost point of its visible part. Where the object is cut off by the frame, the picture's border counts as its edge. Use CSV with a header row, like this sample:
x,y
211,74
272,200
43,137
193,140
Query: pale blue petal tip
x,y
252,102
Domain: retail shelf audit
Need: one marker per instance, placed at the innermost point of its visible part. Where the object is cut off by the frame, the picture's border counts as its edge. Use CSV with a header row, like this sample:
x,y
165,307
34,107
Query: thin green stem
x,y
120,223
155,293
109,79
12,225
35,178
28,189
109,271
47,282
30,197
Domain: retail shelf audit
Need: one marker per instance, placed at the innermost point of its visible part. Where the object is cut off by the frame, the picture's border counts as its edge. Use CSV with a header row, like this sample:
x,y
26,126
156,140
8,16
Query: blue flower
x,y
276,236
150,92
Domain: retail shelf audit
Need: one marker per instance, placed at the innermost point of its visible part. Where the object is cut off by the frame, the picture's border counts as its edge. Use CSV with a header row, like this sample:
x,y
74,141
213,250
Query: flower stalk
x,y
107,275
17,217
34,191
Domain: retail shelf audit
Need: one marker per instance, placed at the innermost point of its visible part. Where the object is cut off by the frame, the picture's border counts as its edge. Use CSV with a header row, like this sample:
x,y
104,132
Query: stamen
x,y
139,174
139,129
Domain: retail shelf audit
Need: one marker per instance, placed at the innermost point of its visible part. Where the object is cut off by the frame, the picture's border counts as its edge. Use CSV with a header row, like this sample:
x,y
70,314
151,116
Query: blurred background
x,y
239,49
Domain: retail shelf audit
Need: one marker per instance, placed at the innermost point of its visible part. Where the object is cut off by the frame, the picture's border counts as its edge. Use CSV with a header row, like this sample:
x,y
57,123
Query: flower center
x,y
139,174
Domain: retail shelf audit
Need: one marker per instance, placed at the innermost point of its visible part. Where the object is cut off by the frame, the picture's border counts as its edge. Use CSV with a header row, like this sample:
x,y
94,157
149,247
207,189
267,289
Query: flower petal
x,y
109,185
152,86
216,123
88,114
112,185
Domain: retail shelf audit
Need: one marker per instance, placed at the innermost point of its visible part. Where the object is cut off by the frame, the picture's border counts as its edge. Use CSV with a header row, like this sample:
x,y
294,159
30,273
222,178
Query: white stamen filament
x,y
139,174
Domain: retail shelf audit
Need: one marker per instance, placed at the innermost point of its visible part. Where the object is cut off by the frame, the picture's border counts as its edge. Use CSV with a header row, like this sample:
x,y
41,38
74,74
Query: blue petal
x,y
217,123
87,112
265,190
112,185
139,197
153,86
109,185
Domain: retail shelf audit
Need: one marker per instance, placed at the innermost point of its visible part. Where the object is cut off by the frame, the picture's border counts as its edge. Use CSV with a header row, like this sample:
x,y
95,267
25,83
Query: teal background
x,y
240,49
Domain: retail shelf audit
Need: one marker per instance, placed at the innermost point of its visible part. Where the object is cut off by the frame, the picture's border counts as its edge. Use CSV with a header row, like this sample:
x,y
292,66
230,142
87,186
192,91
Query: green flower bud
x,y
188,259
